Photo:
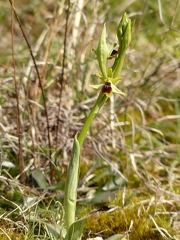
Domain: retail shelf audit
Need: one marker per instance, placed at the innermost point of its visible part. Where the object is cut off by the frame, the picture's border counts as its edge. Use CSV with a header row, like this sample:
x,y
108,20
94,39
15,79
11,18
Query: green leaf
x,y
76,229
57,186
98,177
40,178
114,183
99,197
71,185
54,229
8,164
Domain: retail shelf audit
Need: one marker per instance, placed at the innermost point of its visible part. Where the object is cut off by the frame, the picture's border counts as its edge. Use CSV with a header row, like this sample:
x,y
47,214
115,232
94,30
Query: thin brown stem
x,y
40,84
18,120
62,77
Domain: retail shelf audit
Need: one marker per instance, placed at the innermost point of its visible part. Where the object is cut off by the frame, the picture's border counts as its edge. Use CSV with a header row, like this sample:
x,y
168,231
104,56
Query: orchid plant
x,y
110,76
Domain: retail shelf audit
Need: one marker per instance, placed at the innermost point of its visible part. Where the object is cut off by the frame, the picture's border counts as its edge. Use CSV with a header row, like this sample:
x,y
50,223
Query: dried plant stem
x,y
77,20
112,123
19,127
40,84
62,78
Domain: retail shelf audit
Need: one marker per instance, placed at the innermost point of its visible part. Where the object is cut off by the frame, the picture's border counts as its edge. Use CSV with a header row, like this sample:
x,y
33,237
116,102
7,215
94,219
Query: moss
x,y
61,171
133,180
9,231
134,220
84,167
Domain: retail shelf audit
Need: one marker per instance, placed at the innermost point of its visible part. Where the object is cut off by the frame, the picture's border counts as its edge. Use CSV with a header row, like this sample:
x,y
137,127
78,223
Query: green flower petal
x,y
98,86
101,77
110,73
116,90
114,80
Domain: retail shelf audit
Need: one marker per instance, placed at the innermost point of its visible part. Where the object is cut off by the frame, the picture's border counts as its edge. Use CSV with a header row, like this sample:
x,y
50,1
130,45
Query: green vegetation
x,y
130,162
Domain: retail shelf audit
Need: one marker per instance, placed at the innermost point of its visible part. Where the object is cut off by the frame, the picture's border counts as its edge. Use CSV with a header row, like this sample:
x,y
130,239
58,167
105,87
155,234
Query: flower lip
x,y
113,54
107,89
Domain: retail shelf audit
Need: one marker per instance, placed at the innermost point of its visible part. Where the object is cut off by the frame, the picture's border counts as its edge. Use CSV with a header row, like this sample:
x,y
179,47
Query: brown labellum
x,y
107,89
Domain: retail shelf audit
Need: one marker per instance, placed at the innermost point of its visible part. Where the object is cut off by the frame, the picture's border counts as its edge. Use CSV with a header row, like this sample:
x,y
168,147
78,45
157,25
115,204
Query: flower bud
x,y
103,51
124,32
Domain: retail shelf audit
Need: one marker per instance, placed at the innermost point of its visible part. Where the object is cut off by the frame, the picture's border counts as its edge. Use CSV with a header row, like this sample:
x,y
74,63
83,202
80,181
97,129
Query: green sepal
x,y
103,51
116,90
98,86
114,80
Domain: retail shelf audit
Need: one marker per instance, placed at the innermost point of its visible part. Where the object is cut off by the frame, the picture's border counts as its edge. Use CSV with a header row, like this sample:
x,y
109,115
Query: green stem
x,y
118,64
99,102
73,169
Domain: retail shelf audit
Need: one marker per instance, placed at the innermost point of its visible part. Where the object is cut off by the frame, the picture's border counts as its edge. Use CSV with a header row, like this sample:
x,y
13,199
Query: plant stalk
x,y
99,102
